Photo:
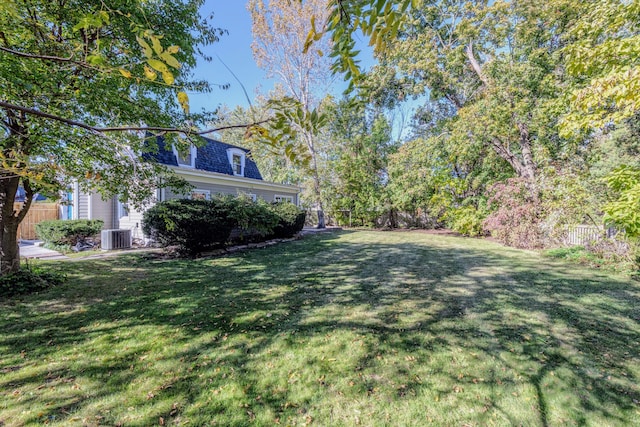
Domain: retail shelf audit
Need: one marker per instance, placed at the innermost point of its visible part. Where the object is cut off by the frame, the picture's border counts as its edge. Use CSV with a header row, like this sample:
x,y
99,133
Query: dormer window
x,y
186,158
237,164
237,160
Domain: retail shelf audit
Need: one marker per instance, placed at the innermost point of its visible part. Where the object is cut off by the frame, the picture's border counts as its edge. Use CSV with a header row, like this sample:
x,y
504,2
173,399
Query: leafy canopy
x,y
75,75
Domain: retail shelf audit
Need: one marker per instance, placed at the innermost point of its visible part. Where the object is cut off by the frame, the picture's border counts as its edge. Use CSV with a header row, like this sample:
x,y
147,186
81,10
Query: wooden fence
x,y
37,213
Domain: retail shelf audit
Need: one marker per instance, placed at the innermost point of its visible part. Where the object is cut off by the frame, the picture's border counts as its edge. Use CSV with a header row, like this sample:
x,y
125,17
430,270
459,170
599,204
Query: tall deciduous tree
x,y
279,30
77,80
361,142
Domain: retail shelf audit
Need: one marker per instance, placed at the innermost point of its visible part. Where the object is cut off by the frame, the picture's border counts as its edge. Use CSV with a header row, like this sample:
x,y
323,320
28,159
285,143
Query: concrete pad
x,y
33,251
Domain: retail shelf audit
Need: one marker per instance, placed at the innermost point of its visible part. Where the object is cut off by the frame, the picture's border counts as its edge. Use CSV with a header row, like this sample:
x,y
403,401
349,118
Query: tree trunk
x,y
9,221
528,165
10,252
321,223
308,136
316,188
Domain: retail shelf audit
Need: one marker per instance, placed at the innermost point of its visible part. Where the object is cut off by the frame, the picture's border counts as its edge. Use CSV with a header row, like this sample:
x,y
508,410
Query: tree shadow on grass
x,y
367,324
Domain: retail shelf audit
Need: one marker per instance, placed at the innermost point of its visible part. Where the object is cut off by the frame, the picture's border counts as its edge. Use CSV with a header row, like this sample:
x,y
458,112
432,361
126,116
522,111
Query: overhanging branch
x,y
475,65
98,129
69,60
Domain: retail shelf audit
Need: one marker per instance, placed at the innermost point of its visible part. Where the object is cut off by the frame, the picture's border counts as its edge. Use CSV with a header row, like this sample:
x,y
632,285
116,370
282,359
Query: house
x,y
214,168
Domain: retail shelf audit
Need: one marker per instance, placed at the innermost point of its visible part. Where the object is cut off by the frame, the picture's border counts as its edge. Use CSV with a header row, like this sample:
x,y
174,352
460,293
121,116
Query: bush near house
x,y
66,233
197,225
255,221
192,225
291,219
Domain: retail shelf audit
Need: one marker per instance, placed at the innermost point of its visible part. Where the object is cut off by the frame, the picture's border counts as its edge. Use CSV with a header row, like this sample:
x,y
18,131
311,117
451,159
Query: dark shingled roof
x,y
211,157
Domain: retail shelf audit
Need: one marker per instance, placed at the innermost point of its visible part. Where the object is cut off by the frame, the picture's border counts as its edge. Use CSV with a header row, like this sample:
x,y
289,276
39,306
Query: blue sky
x,y
235,50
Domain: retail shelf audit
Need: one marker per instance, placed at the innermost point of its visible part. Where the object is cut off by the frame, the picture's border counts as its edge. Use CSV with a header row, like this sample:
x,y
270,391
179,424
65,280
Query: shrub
x,y
466,220
516,219
623,212
254,220
68,232
608,254
27,281
291,219
192,225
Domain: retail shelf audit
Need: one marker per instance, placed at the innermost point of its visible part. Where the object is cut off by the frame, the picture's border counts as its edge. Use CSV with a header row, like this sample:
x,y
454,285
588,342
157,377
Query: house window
x,y
237,164
123,209
200,194
278,198
237,160
186,158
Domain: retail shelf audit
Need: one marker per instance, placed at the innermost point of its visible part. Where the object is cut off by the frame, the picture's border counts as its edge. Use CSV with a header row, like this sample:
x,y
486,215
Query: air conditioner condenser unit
x,y
115,239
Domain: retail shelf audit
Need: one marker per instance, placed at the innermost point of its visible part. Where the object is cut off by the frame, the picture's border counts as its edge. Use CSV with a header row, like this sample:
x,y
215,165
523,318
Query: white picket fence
x,y
582,234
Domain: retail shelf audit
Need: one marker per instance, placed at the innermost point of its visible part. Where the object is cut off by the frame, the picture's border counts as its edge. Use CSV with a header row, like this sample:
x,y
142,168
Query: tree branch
x,y
34,56
98,129
69,60
475,65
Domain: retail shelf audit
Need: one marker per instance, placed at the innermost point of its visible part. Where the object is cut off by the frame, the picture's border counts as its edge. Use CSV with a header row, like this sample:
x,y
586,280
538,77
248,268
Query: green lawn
x,y
350,328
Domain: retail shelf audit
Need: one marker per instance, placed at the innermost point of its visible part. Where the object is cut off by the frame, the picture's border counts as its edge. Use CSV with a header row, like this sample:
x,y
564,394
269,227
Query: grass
x,y
609,262
350,328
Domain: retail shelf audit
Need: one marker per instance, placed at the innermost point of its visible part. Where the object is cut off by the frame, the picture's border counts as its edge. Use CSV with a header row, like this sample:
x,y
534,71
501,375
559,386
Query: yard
x,y
349,328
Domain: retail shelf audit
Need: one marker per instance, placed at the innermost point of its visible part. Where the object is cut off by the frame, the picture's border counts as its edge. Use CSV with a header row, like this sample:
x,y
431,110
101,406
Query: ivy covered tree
x,y
79,81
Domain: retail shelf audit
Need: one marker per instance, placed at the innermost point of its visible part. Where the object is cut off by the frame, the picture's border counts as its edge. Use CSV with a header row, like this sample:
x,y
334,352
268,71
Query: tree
x,y
602,56
361,143
78,81
279,31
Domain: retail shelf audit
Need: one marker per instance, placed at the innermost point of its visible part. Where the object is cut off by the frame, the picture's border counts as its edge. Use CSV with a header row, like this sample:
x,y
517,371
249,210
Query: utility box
x,y
115,239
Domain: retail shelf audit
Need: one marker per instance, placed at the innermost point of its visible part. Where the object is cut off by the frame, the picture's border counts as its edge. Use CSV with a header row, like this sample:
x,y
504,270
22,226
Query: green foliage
x,y
608,254
29,280
624,212
602,59
68,232
192,225
291,219
253,220
112,50
514,89
197,225
77,79
442,179
466,220
356,187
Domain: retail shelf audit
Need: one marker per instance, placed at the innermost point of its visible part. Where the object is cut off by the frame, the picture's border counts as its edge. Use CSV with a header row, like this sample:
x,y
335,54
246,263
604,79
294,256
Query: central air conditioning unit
x,y
115,239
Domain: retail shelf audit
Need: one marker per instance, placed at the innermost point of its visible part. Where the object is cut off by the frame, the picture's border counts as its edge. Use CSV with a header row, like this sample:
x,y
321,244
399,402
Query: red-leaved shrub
x,y
516,219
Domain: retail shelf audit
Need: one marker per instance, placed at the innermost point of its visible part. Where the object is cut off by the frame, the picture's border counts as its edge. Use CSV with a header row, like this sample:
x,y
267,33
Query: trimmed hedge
x,y
255,221
68,232
192,225
197,225
291,219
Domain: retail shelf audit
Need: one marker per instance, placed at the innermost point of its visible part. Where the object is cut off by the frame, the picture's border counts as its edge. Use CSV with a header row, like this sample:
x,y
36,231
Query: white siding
x,y
132,222
83,205
267,195
103,210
